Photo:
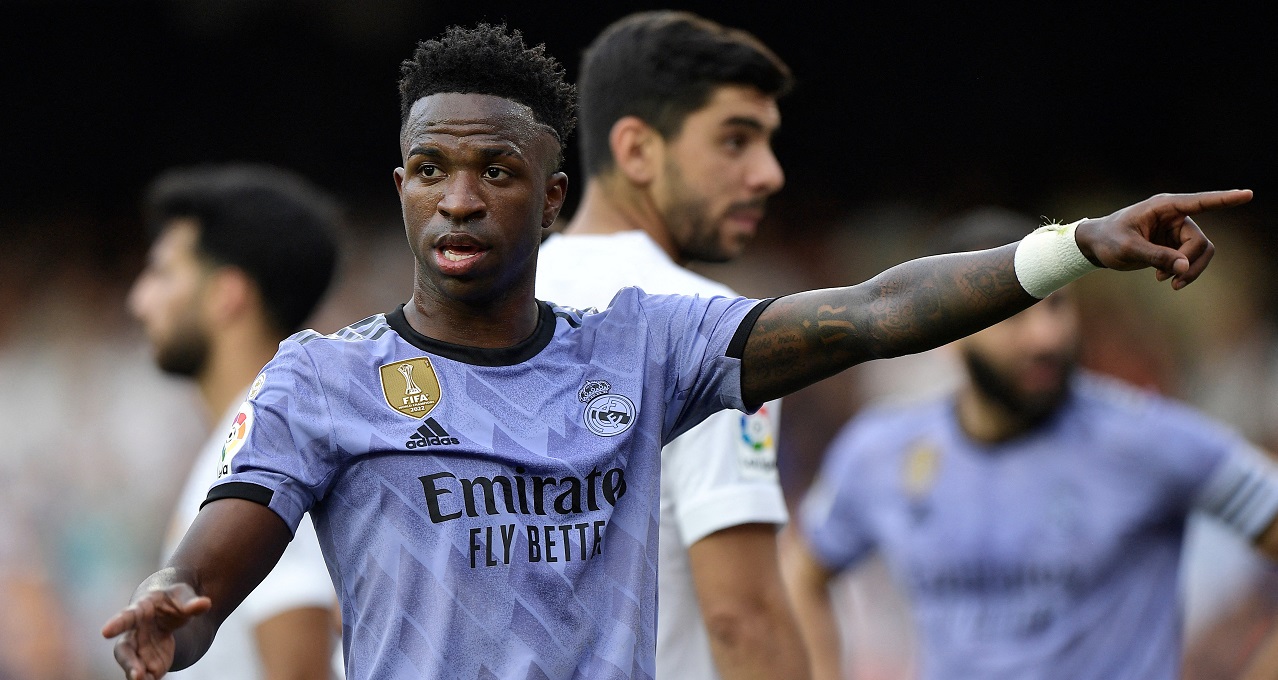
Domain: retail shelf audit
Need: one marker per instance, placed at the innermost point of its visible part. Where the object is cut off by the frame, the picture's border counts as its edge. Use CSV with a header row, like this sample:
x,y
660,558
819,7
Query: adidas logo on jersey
x,y
431,433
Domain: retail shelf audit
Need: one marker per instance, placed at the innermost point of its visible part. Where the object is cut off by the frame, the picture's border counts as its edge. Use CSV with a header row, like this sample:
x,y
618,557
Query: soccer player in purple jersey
x,y
516,535
1034,518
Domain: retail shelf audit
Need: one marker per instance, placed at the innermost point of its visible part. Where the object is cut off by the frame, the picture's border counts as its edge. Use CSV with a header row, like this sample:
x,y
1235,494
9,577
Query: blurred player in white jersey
x,y
241,257
676,119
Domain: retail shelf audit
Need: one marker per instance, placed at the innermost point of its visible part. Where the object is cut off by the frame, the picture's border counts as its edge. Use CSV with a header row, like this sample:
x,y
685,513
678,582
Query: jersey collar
x,y
480,356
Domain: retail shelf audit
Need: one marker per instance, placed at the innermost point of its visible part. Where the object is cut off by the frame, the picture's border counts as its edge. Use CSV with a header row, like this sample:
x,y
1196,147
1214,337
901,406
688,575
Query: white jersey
x,y
720,474
299,580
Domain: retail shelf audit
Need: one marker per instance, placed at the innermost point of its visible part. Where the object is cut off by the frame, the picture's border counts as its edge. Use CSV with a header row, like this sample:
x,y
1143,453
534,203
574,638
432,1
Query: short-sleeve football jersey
x,y
1053,555
298,581
489,513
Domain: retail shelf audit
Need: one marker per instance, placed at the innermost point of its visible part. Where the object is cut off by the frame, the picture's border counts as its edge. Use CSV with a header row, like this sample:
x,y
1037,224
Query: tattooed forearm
x,y
800,339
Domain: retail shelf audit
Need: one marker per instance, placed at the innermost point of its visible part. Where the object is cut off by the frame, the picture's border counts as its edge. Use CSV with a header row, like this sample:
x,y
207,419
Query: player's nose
x,y
462,200
139,294
766,176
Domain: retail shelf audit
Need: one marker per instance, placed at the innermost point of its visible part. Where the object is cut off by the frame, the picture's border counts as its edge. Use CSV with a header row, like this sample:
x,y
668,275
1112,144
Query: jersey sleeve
x,y
1202,464
694,335
298,581
279,451
723,473
1242,492
832,516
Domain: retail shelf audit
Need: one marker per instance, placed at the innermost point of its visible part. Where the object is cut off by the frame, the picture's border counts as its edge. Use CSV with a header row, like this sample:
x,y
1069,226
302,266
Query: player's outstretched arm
x,y
171,620
800,339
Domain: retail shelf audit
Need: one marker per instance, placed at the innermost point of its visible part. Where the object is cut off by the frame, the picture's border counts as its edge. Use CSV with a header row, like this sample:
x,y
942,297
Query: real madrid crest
x,y
411,387
607,414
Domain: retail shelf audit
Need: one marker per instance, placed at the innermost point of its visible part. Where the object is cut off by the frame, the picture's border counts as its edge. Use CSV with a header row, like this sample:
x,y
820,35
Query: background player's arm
x,y
807,581
737,578
921,304
174,614
1264,663
1267,542
296,644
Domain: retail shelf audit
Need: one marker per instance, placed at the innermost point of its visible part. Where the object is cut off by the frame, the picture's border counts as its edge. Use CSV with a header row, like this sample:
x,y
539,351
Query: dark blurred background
x,y
943,103
905,115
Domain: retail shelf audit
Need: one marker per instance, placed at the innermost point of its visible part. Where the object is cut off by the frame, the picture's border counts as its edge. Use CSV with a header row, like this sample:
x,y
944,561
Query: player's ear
x,y
230,293
400,173
636,149
556,192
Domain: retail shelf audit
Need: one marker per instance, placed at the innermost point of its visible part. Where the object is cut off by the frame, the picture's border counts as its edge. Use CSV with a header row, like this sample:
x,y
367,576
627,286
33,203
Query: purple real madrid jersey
x,y
489,513
1054,555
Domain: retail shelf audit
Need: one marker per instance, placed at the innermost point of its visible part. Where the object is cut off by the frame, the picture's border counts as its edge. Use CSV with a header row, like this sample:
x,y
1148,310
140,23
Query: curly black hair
x,y
491,59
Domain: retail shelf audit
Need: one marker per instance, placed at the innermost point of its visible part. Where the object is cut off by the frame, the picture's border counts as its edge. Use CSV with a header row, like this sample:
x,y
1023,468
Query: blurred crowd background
x,y
905,117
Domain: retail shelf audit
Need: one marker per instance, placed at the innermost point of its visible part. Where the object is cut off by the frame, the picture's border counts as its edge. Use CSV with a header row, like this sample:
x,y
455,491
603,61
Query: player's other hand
x,y
145,650
1158,232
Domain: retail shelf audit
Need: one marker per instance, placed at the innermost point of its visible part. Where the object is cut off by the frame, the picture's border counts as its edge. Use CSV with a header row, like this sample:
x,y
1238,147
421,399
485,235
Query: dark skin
x,y
477,188
478,182
928,302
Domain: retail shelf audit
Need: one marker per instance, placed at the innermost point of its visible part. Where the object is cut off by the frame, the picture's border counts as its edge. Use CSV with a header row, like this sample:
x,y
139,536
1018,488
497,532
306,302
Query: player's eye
x,y
736,142
428,170
495,173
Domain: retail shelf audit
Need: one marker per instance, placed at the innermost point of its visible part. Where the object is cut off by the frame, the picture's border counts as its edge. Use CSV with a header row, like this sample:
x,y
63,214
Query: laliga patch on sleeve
x,y
757,448
240,428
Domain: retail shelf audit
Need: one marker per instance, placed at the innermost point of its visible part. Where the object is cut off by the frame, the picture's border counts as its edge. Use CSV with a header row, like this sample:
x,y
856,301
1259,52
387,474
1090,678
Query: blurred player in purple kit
x,y
526,545
242,255
677,116
1035,518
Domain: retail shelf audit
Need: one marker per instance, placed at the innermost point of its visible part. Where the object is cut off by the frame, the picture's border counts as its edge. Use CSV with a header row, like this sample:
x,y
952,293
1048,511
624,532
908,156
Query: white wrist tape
x,y
1048,258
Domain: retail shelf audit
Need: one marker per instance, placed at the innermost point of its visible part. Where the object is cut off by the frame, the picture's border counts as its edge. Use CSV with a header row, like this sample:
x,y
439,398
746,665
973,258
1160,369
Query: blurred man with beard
x,y
1034,519
677,115
241,257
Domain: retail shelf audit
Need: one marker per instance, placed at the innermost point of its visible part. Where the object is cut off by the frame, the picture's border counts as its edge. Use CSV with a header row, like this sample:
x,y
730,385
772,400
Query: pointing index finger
x,y
1191,204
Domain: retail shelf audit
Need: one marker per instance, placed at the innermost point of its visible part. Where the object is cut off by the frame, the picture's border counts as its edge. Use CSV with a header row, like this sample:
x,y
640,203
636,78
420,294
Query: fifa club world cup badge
x,y
411,387
607,414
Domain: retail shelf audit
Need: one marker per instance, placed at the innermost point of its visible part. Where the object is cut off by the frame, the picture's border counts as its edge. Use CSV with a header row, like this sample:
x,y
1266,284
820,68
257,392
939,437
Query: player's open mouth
x,y
458,254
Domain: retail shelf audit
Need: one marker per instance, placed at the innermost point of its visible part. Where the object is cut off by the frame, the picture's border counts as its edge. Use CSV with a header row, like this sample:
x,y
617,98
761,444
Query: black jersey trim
x,y
243,490
737,346
480,356
571,319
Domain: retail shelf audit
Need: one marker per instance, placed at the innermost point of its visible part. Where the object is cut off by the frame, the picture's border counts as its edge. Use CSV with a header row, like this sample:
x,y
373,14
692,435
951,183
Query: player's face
x,y
166,298
718,172
477,188
1024,363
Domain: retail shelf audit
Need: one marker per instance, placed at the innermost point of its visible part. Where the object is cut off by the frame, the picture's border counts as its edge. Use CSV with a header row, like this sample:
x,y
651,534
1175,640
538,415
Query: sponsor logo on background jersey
x,y
607,414
431,433
240,428
757,453
411,386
